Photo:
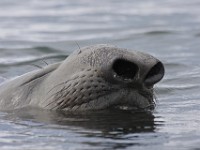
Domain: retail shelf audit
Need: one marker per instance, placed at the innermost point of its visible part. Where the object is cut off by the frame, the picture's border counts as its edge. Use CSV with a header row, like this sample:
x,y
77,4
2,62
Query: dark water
x,y
36,30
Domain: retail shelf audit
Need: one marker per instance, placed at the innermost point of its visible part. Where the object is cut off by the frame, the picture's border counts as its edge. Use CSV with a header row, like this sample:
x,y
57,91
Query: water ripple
x,y
37,30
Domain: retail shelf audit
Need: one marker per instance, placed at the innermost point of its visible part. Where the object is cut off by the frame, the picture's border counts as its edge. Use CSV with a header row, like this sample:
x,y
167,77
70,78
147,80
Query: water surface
x,y
35,31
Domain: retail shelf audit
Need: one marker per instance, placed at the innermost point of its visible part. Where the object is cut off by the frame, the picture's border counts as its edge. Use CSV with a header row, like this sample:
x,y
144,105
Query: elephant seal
x,y
92,78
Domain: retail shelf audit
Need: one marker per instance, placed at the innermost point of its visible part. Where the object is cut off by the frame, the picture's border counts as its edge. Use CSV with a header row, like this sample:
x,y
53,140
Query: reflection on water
x,y
126,128
39,32
106,121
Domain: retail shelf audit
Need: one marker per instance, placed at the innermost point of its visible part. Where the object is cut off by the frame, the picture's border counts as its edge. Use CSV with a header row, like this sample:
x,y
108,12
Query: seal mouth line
x,y
148,107
97,99
63,102
103,92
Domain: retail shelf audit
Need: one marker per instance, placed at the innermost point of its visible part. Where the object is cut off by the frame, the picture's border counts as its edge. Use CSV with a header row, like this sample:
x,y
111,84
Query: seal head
x,y
92,78
103,76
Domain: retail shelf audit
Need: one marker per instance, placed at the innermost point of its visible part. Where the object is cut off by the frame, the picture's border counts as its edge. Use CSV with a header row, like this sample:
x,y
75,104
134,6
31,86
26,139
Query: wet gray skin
x,y
92,78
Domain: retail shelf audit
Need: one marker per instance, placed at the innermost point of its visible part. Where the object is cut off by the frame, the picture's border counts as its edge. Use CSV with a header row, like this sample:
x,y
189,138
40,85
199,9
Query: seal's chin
x,y
134,100
150,107
125,100
135,107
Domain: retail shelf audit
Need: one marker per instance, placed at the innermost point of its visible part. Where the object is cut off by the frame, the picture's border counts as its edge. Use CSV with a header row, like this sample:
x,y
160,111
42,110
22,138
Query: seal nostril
x,y
125,69
155,74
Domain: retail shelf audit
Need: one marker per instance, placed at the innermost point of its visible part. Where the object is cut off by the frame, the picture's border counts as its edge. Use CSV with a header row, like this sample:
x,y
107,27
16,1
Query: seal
x,y
91,78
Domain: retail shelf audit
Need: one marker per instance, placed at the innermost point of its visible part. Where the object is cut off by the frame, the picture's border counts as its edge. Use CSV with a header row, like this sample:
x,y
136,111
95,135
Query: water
x,y
37,30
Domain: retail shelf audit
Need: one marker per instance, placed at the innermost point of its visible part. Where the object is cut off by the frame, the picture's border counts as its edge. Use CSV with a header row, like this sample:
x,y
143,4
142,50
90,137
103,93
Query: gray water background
x,y
35,30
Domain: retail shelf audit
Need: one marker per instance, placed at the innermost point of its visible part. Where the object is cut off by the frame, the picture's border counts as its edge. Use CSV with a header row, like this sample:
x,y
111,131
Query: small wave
x,y
197,35
159,32
2,79
14,61
172,87
174,65
43,49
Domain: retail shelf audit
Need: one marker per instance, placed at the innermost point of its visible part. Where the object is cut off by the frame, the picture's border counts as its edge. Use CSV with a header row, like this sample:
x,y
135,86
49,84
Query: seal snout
x,y
155,74
147,73
125,69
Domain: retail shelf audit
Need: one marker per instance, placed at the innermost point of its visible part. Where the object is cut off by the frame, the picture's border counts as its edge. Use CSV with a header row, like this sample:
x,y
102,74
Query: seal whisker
x,y
64,82
62,90
57,86
36,66
78,47
45,62
63,103
57,93
154,96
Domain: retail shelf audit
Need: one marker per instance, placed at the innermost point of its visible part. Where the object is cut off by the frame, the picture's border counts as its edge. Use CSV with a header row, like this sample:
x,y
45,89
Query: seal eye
x,y
125,69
